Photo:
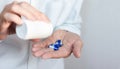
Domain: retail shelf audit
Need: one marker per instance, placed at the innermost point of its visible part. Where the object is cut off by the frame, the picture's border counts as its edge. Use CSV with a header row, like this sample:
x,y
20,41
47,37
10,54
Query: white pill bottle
x,y
34,29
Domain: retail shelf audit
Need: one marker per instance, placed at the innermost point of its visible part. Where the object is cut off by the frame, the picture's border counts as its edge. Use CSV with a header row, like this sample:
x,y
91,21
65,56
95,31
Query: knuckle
x,y
7,5
23,3
8,17
14,7
5,16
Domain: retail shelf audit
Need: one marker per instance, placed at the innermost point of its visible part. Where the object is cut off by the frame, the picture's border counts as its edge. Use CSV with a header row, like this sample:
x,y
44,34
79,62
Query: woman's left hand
x,y
71,44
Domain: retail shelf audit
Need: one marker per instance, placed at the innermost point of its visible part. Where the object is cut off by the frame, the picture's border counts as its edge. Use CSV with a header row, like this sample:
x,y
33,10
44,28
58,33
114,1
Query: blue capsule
x,y
56,45
51,46
59,42
55,49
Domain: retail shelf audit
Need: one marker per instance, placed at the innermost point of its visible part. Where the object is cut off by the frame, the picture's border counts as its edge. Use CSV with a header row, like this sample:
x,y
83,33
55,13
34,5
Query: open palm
x,y
71,43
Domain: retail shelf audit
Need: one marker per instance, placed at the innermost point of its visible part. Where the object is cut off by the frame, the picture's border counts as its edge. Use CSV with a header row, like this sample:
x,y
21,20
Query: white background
x,y
101,36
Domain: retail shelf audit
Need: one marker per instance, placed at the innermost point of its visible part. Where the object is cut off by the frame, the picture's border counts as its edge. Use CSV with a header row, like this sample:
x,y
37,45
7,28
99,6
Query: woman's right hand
x,y
11,16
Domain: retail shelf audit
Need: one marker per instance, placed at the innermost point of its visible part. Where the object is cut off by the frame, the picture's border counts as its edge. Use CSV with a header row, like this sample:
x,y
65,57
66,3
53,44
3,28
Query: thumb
x,y
77,48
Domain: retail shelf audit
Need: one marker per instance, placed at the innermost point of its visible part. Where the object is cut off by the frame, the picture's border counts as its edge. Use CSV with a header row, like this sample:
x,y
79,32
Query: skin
x,y
72,44
11,16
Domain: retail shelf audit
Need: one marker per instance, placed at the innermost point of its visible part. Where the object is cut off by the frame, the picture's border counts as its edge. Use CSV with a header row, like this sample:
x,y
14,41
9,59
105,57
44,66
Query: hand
x,y
71,43
11,16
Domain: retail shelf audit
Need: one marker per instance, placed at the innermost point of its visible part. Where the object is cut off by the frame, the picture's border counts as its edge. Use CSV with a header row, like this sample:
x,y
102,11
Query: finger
x,y
31,9
39,45
45,43
40,52
35,40
77,48
61,53
10,17
17,9
36,13
3,28
3,36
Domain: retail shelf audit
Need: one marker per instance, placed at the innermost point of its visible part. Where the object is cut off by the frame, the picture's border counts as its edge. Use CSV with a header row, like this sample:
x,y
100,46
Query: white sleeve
x,y
73,19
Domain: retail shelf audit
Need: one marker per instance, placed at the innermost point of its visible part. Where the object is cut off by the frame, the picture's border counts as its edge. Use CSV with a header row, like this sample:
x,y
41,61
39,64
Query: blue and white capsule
x,y
56,45
51,46
59,42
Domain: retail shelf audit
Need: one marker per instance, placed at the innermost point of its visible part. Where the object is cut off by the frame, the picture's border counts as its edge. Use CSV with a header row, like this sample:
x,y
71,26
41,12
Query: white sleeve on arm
x,y
73,20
